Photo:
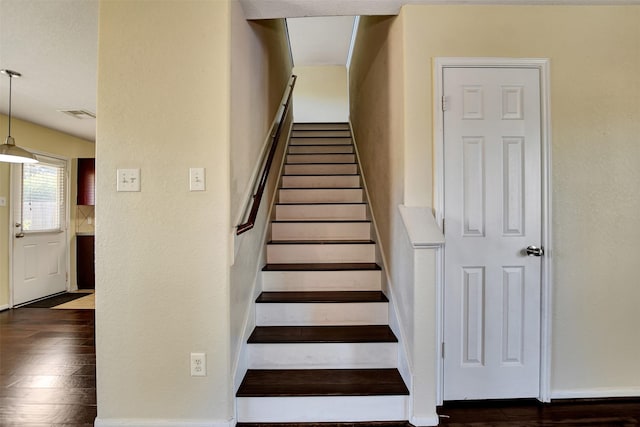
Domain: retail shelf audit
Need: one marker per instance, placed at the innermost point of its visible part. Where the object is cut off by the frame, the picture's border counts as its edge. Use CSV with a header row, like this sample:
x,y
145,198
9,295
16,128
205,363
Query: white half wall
x,y
321,94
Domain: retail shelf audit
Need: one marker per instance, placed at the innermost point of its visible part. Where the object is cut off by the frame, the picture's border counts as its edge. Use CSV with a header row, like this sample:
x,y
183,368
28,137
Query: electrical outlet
x,y
198,365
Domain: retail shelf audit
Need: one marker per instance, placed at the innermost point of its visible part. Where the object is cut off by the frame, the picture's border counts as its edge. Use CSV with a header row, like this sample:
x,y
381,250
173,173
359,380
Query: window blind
x,y
43,198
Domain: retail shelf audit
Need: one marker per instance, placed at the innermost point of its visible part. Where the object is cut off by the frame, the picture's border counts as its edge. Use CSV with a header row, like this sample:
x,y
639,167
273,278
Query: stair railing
x,y
264,175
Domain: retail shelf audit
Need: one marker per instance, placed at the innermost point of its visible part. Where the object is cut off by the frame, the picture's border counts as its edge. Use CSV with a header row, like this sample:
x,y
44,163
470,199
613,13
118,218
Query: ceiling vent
x,y
79,114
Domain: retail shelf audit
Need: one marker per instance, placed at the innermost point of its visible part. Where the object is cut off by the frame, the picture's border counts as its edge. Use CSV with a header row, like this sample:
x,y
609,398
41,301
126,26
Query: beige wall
x,y
260,71
321,94
376,82
377,115
162,270
46,141
595,103
595,61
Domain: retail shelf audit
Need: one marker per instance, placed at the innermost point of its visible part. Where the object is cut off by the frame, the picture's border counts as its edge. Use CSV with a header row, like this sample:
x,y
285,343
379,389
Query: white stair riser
x,y
320,141
302,281
321,212
320,158
321,126
375,355
322,314
311,169
320,133
319,253
321,231
320,181
341,195
322,409
318,149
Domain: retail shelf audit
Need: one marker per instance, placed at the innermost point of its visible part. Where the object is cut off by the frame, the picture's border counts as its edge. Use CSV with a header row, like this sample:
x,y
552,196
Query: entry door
x,y
40,249
492,143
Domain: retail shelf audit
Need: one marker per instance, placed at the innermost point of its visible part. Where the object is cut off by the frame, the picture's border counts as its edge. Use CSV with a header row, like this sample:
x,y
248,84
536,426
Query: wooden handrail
x,y
257,197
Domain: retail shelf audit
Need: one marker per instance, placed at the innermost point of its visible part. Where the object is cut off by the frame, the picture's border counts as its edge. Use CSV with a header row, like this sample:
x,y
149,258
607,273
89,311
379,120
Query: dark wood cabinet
x,y
86,182
85,262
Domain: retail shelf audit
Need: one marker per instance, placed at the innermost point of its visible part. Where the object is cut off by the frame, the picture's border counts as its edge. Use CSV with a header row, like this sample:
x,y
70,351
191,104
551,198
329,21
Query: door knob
x,y
534,251
19,235
18,225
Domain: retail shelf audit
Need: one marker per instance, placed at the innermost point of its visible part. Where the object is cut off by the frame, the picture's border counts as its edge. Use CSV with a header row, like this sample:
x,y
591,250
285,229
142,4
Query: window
x,y
43,198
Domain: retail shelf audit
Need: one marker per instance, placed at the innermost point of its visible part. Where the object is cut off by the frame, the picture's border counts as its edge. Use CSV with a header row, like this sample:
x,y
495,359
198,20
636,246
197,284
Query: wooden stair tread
x,y
325,145
319,163
321,334
318,203
322,382
321,174
320,136
322,297
331,424
328,266
319,123
321,242
319,221
320,188
321,154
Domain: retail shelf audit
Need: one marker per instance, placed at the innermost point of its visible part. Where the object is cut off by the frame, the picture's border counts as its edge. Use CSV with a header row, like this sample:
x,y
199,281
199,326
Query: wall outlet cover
x,y
128,180
197,179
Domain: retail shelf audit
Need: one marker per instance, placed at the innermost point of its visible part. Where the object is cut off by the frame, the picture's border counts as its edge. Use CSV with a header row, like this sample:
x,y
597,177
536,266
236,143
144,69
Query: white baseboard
x,y
146,422
433,420
595,393
4,307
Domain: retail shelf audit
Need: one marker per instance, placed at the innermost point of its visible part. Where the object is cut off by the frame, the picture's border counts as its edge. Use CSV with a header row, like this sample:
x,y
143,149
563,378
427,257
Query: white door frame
x,y
67,219
438,199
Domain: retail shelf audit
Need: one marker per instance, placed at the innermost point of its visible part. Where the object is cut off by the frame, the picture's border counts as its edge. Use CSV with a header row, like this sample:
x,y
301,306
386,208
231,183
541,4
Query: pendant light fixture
x,y
9,151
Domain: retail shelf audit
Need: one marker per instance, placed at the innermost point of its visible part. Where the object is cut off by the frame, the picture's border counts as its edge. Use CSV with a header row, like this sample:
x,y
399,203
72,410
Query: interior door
x,y
492,172
40,246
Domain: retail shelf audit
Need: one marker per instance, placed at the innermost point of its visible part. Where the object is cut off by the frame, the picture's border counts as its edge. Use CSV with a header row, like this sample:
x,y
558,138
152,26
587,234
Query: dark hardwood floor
x,y
47,378
531,413
47,368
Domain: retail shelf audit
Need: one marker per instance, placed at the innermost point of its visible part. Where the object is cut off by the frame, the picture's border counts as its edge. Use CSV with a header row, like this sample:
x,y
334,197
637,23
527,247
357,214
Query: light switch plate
x,y
197,179
128,180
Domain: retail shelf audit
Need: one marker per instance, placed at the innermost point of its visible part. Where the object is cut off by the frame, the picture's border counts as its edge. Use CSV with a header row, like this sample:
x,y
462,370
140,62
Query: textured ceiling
x,y
54,45
267,9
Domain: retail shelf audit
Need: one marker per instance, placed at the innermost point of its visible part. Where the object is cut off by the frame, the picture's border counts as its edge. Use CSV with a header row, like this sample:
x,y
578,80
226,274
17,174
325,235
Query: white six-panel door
x,y
492,211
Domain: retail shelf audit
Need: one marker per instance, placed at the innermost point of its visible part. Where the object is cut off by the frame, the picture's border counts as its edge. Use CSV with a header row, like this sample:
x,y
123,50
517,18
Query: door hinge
x,y
442,351
444,103
442,225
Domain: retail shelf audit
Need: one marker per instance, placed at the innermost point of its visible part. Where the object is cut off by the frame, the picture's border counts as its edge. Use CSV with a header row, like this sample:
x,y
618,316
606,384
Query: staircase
x,y
322,350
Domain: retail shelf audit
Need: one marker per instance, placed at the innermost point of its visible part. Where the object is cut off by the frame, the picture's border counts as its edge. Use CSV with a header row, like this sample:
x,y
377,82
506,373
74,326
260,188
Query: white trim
x,y
153,422
542,64
11,226
4,307
286,32
421,228
595,393
433,420
67,219
352,43
404,367
241,364
439,325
